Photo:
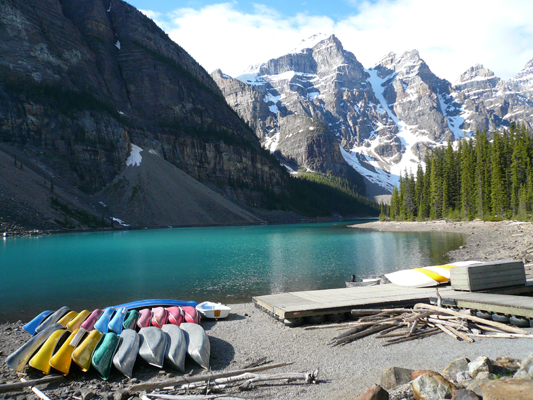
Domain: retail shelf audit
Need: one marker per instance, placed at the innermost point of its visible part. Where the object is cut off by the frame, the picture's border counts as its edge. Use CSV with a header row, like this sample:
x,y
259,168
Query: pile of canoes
x,y
159,331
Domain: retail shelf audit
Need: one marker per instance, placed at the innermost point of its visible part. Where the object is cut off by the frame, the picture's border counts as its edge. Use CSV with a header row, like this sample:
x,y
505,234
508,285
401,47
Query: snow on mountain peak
x,y
310,42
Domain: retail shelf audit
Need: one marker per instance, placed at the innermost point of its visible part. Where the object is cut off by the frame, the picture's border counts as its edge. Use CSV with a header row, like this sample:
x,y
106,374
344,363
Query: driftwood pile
x,y
215,382
398,325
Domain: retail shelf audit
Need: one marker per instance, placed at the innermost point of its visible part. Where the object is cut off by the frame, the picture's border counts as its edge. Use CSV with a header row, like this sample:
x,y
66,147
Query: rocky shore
x,y
484,241
249,335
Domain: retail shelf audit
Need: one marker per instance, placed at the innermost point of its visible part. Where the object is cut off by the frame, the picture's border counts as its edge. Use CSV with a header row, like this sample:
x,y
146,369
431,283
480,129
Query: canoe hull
x,y
115,324
198,346
82,355
103,354
153,346
18,359
177,346
124,358
35,322
425,276
62,360
41,359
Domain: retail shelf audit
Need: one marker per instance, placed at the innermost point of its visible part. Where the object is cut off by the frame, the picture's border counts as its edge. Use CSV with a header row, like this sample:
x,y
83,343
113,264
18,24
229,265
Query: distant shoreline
x,y
15,230
485,241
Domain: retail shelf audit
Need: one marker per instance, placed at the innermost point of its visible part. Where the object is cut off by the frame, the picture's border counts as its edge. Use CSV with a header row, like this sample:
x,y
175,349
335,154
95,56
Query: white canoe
x,y
209,309
425,276
198,347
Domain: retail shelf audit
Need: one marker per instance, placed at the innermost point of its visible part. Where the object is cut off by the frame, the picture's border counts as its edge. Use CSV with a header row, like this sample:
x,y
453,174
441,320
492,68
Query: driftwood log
x,y
11,387
200,378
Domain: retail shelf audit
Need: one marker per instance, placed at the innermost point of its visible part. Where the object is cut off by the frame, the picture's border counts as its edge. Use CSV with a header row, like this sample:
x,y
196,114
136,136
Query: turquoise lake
x,y
227,264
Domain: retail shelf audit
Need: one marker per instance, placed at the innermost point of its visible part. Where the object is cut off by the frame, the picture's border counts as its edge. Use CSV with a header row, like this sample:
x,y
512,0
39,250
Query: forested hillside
x,y
486,177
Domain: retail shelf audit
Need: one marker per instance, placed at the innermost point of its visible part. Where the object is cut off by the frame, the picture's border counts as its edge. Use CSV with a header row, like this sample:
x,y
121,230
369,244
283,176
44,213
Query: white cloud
x,y
451,35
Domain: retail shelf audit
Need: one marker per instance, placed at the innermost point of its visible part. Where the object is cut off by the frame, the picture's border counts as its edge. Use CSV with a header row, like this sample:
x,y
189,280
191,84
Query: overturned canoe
x,y
175,315
425,276
88,324
41,359
77,321
65,319
145,317
82,354
153,345
128,348
159,316
35,322
103,354
19,358
177,346
62,359
103,321
52,319
131,319
190,315
198,347
209,309
115,324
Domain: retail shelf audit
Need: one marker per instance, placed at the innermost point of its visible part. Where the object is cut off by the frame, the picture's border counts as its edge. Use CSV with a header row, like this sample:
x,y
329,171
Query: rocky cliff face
x,y
383,119
83,80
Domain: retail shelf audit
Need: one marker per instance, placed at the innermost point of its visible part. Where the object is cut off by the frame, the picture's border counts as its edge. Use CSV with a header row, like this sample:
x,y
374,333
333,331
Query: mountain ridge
x,y
385,118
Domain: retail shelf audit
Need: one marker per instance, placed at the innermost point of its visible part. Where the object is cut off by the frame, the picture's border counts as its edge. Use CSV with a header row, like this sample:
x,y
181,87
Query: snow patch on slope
x,y
135,157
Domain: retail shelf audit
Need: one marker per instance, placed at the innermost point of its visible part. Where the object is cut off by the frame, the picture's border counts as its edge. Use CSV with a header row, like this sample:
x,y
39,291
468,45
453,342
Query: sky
x,y
451,35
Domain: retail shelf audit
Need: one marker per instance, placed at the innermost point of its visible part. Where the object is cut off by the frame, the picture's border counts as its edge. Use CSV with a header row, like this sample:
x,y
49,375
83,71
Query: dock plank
x,y
331,301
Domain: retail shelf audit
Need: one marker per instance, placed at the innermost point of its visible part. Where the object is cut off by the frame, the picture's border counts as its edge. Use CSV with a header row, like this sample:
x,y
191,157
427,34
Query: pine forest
x,y
487,176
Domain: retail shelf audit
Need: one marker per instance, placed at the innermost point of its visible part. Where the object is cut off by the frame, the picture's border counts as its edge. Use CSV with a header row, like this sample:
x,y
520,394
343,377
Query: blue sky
x,y
335,9
451,35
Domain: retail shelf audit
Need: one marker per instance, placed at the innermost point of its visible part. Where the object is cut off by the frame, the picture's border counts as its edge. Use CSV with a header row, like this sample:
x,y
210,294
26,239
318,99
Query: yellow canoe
x,y
63,358
83,353
67,318
41,359
77,321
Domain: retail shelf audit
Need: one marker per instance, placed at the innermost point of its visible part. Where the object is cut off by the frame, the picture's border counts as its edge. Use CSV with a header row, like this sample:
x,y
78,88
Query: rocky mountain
x,y
382,120
82,82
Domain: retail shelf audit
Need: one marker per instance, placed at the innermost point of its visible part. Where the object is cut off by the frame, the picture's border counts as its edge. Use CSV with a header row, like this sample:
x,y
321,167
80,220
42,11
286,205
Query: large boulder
x,y
508,389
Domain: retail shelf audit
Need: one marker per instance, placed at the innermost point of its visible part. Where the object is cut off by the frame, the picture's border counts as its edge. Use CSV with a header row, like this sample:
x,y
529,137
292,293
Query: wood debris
x,y
400,325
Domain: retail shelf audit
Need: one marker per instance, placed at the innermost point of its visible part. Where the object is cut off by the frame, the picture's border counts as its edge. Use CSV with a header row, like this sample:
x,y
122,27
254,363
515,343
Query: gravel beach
x,y
249,334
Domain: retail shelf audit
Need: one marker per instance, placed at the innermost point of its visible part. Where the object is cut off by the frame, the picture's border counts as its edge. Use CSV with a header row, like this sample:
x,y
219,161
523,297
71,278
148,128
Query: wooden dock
x,y
332,302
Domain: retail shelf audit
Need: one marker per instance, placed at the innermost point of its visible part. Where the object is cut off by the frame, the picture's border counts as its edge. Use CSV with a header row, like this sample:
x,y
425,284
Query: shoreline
x,y
484,241
14,230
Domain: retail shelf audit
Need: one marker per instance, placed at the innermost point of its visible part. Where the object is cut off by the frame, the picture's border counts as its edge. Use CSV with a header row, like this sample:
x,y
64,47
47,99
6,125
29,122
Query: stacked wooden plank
x,y
490,275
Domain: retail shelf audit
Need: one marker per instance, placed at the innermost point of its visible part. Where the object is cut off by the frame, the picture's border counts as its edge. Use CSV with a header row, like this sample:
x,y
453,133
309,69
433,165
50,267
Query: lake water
x,y
227,264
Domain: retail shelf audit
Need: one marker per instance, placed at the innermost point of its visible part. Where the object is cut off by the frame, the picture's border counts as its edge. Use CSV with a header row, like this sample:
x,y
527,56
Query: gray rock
x,y
87,395
481,378
465,395
463,378
432,386
455,367
526,368
481,363
395,376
